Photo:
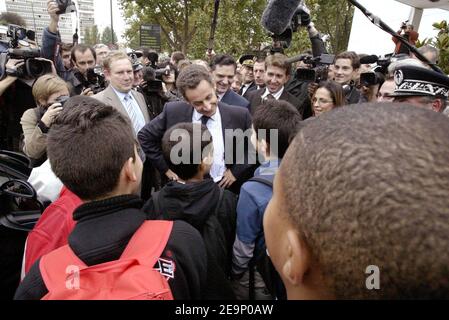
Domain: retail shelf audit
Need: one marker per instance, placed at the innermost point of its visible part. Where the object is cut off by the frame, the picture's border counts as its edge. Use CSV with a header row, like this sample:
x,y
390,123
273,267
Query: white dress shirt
x,y
218,167
276,95
245,88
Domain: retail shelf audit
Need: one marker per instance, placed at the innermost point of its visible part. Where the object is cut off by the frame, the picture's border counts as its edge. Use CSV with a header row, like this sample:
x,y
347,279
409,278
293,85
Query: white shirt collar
x,y
277,95
220,96
197,116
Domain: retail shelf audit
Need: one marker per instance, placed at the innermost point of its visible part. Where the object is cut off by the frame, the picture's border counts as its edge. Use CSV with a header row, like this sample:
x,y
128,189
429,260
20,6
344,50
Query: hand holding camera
x,y
52,112
12,65
53,9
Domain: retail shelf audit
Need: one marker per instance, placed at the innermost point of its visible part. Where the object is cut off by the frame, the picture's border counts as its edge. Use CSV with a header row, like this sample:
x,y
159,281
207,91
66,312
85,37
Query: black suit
x,y
255,98
233,99
150,136
252,87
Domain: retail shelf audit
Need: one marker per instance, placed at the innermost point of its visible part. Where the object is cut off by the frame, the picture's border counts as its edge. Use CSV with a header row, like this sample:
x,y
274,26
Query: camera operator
x,y
169,79
407,31
300,88
50,92
20,64
82,57
149,58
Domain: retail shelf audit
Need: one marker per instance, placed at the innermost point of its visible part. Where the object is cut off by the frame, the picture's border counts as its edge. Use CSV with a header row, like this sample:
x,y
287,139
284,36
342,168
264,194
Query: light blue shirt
x,y
218,167
138,120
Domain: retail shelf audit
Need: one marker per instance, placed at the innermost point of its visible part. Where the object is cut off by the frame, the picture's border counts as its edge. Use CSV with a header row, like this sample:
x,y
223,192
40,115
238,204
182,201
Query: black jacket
x,y
255,98
150,136
213,213
103,231
252,87
233,99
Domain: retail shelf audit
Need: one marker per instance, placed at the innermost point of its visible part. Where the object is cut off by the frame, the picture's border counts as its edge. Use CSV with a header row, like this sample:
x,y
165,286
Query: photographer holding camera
x,y
50,92
83,57
407,31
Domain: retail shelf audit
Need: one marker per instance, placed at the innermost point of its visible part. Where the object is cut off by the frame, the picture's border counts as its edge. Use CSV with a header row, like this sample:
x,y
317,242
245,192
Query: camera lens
x,y
36,68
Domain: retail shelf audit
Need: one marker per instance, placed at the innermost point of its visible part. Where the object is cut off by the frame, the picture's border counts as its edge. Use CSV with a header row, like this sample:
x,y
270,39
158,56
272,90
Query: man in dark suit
x,y
202,106
223,71
247,71
276,76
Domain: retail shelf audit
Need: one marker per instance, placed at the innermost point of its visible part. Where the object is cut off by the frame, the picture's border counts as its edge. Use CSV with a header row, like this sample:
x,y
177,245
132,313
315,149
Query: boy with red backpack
x,y
113,251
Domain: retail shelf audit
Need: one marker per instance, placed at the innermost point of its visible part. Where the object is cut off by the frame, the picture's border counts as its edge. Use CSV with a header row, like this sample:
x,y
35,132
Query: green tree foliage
x,y
106,36
333,18
441,42
91,36
186,25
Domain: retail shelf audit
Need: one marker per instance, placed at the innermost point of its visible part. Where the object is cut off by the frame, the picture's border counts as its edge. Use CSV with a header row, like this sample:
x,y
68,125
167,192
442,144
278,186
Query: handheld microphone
x,y
278,15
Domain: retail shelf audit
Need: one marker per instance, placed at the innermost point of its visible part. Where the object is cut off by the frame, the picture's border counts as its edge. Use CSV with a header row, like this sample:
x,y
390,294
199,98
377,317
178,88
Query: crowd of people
x,y
233,177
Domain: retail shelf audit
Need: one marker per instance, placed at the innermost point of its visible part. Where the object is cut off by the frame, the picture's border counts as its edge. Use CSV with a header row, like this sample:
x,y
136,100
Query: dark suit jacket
x,y
233,99
255,98
150,136
252,87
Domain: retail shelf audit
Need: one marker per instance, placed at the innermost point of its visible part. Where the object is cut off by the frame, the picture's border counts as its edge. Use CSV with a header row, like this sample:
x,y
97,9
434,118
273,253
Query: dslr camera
x,y
95,80
65,6
320,68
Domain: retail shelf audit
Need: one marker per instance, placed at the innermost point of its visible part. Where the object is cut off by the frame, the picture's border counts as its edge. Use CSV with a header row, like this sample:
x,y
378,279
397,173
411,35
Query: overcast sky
x,y
365,37
103,16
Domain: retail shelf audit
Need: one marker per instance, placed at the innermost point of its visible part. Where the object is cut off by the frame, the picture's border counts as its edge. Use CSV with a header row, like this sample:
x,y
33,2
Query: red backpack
x,y
132,277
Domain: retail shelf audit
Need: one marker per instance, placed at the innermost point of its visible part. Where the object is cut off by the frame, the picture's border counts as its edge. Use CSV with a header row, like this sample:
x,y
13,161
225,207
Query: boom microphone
x,y
278,15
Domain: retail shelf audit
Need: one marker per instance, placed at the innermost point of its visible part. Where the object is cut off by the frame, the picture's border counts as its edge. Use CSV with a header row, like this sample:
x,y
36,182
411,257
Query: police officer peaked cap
x,y
247,60
417,81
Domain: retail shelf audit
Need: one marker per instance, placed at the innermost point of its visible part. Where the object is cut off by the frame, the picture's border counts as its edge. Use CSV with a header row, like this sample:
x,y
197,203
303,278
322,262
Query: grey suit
x,y
109,97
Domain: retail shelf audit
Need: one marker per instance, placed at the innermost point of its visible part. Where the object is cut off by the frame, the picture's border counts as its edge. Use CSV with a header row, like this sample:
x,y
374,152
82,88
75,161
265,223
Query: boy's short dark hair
x,y
367,186
223,60
82,48
184,137
88,145
351,55
277,115
190,78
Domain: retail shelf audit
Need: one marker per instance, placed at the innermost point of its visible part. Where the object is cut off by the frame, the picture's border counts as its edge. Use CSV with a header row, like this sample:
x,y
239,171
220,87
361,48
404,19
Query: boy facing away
x,y
360,206
93,151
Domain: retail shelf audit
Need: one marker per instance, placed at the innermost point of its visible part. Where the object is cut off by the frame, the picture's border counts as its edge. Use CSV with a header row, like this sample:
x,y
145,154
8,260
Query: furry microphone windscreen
x,y
278,15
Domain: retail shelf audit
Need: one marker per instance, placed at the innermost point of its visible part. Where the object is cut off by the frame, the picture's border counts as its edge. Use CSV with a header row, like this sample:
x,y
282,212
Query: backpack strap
x,y
60,268
261,179
148,242
155,196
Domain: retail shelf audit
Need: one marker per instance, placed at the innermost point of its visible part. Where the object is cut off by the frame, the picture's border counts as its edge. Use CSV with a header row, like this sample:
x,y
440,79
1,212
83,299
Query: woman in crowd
x,y
48,92
169,81
328,96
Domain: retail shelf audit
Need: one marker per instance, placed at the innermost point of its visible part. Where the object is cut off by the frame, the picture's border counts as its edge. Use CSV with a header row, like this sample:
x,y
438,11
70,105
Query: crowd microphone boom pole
x,y
213,27
378,22
278,15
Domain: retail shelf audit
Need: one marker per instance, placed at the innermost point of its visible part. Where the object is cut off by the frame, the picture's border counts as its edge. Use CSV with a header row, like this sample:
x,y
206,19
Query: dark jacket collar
x,y
104,207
